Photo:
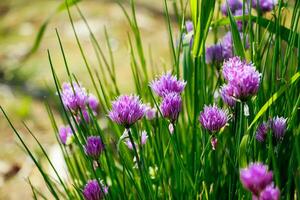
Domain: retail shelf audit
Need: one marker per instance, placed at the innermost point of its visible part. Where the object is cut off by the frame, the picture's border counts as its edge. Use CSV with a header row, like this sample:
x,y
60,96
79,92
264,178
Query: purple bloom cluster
x,y
214,54
223,50
213,118
257,179
189,36
169,88
276,124
262,131
264,5
166,84
234,5
75,98
65,135
150,113
126,110
236,8
243,80
94,147
171,106
92,190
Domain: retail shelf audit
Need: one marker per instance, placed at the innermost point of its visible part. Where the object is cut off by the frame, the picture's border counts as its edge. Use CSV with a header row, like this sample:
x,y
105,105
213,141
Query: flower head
x,y
150,113
126,110
278,126
65,135
256,177
270,193
213,118
227,46
262,131
74,96
92,190
171,106
233,6
214,54
94,147
242,76
189,26
166,84
264,5
227,94
93,103
240,22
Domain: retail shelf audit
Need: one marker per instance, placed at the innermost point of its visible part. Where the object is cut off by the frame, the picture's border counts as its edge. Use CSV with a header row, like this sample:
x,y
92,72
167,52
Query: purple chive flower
x,y
233,6
189,26
94,147
242,76
278,126
171,106
256,177
74,97
227,95
270,193
65,134
166,84
93,103
262,131
92,190
264,5
227,46
150,113
126,110
240,22
213,118
214,54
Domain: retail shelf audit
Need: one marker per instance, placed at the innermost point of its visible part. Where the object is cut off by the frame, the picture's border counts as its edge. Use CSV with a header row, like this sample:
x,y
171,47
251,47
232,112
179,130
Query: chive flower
x,y
94,147
233,6
256,178
269,193
74,97
214,54
227,94
242,77
93,103
171,106
65,135
127,110
262,131
264,5
278,126
166,84
150,113
213,118
92,190
240,22
189,26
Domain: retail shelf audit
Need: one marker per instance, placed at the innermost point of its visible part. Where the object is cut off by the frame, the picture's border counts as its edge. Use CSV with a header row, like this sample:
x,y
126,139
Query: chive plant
x,y
221,123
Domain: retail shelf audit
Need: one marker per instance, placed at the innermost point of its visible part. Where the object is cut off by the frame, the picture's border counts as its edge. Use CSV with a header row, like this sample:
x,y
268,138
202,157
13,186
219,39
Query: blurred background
x,y
25,81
